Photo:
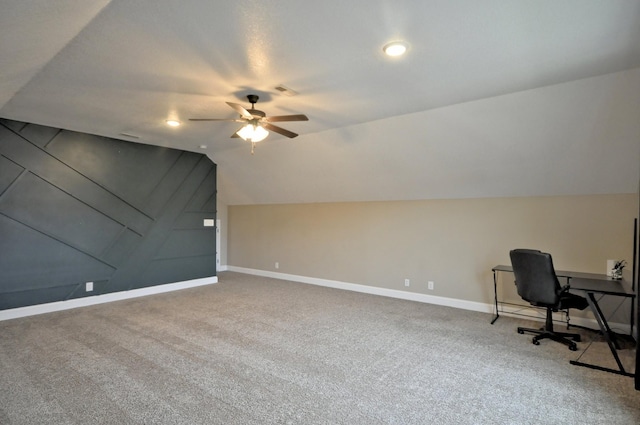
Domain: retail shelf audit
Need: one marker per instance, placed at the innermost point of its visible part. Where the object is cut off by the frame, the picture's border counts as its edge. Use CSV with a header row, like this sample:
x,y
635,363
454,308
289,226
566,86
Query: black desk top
x,y
589,282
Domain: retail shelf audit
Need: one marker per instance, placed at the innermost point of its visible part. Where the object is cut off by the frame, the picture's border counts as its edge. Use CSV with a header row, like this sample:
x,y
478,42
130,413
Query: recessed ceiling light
x,y
173,123
395,48
203,146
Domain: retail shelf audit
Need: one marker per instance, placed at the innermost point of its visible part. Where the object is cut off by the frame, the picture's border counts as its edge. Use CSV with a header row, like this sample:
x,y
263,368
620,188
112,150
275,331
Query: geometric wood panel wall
x,y
77,208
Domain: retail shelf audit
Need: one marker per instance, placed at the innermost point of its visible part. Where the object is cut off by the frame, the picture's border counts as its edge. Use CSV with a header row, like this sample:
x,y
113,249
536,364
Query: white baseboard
x,y
33,310
423,298
385,292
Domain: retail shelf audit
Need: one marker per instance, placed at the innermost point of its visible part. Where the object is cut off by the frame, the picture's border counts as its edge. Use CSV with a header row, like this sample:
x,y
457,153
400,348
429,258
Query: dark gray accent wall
x,y
77,208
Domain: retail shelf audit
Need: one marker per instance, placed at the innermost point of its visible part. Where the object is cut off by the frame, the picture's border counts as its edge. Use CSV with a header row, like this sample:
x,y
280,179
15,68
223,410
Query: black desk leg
x,y
607,333
495,296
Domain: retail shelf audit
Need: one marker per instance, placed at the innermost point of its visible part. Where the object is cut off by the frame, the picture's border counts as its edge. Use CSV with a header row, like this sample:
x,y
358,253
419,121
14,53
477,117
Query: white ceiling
x,y
494,98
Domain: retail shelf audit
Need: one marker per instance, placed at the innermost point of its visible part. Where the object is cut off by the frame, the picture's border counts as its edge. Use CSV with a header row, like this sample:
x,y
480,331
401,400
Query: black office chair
x,y
538,284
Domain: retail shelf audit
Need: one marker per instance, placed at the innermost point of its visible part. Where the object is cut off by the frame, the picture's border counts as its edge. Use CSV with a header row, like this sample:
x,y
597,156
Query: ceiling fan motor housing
x,y
253,99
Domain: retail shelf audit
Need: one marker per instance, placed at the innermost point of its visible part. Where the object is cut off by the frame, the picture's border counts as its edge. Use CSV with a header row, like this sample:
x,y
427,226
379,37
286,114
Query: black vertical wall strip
x,y
637,288
77,208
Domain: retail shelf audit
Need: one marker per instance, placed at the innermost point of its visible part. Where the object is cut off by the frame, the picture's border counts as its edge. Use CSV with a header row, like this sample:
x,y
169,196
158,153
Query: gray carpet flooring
x,y
252,350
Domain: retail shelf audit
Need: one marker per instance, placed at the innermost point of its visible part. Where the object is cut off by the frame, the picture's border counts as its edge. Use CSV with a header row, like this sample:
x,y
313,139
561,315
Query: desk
x,y
591,284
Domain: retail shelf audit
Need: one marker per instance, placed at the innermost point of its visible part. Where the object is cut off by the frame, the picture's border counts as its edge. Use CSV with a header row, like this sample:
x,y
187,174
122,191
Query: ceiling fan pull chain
x,y
253,145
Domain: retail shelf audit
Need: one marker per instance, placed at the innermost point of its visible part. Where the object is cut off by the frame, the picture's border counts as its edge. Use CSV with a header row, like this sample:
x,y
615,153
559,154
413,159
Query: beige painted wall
x,y
451,242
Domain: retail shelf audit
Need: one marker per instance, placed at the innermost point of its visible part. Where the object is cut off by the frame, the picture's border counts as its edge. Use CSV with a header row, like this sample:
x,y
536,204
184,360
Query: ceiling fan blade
x,y
216,119
235,135
280,130
240,109
280,118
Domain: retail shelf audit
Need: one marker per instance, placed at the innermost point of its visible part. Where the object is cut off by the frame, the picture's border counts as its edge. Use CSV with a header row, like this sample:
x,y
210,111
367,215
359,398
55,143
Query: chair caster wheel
x,y
573,347
535,342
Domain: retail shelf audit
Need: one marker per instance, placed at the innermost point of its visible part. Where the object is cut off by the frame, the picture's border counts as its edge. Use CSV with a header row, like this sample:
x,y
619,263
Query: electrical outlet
x,y
277,265
88,286
430,285
407,282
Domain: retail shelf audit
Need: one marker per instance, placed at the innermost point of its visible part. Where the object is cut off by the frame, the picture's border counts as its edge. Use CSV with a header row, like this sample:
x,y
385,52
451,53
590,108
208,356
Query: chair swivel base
x,y
562,337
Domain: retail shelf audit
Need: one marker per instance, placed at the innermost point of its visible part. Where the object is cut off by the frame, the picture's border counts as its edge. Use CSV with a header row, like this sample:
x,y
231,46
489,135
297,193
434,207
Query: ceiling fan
x,y
257,124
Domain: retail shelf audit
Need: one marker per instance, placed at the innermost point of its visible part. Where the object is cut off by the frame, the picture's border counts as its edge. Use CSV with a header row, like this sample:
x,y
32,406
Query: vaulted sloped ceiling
x,y
494,98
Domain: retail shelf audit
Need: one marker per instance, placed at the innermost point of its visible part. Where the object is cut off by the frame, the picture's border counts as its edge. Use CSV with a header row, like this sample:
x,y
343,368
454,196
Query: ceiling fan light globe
x,y
253,133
